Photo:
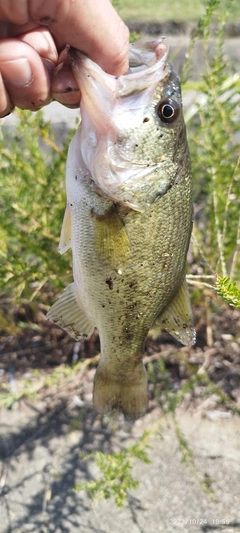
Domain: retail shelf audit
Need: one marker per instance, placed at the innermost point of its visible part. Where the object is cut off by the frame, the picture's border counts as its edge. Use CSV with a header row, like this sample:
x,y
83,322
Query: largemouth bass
x,y
128,220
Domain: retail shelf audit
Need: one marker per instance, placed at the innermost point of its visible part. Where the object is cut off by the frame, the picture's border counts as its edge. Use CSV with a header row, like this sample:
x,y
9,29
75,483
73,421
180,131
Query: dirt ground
x,y
43,433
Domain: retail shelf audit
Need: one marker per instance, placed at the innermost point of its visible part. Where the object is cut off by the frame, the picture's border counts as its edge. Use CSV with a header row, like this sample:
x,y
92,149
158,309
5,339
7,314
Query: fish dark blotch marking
x,y
109,282
146,119
132,284
71,90
103,305
75,177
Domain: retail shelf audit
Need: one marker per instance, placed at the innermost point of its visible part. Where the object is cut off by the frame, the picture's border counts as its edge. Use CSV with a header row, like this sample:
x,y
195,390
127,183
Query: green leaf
x,y
228,291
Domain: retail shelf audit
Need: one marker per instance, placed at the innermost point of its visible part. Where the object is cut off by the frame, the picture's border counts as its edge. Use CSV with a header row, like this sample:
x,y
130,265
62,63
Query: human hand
x,y
34,67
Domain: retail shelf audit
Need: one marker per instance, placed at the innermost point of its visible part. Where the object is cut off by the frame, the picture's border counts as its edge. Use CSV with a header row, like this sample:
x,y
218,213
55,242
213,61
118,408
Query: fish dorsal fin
x,y
177,317
111,238
66,232
67,314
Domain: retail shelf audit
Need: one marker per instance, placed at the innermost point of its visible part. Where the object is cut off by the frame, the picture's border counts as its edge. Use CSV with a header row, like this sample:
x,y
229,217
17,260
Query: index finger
x,y
92,27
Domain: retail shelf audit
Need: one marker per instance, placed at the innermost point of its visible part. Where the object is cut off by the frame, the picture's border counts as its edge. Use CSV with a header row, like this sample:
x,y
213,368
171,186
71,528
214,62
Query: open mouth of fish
x,y
109,106
147,66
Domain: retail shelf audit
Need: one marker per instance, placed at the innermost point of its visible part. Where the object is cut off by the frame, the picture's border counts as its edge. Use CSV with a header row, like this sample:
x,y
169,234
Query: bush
x,y
32,203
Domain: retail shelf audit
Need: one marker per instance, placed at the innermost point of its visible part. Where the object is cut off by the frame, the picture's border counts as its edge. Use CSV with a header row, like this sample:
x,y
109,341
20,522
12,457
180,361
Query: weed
x,y
32,192
116,472
214,142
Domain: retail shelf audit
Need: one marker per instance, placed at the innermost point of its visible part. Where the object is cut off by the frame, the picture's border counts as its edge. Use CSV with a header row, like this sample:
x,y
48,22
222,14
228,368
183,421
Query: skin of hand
x,y
34,67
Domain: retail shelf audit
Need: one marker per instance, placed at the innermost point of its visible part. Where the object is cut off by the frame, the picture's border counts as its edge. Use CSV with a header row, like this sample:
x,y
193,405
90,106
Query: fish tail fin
x,y
127,394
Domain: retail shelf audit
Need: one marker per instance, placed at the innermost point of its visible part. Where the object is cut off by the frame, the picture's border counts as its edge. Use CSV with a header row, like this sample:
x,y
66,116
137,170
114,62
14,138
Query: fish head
x,y
132,134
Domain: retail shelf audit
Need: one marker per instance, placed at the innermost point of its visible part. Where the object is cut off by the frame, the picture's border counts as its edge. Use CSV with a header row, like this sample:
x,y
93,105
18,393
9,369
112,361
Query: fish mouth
x,y
147,64
113,111
146,54
100,91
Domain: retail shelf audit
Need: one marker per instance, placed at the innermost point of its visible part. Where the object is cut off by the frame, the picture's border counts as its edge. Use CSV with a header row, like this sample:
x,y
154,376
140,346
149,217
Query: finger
x,y
14,11
26,76
9,29
93,27
64,87
6,105
42,41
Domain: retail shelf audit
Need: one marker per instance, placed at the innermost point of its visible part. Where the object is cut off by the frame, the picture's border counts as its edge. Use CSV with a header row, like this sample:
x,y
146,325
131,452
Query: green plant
x,y
32,202
228,291
25,389
188,458
213,134
116,472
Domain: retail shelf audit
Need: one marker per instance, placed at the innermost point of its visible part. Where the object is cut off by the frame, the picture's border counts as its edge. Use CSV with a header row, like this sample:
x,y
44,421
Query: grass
x,y
162,11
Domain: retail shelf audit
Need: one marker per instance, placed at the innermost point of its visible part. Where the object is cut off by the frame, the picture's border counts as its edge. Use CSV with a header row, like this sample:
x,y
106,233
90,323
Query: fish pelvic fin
x,y
177,317
111,238
67,314
66,232
126,394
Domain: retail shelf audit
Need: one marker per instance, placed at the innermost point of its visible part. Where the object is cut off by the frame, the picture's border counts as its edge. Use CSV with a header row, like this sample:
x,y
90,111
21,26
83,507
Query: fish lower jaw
x,y
128,395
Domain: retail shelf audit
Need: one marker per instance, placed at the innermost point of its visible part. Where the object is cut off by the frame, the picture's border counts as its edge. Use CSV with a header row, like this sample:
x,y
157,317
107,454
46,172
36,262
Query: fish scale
x,y
129,227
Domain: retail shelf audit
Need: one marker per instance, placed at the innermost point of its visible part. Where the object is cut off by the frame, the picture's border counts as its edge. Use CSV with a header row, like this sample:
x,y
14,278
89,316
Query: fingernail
x,y
16,71
7,114
49,65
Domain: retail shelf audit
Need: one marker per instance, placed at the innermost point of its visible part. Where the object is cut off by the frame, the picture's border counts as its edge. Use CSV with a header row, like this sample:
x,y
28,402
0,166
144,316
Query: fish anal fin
x,y
177,317
111,238
66,232
128,395
67,314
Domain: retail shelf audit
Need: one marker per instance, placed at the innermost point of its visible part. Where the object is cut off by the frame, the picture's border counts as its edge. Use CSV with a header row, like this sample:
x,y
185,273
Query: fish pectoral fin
x,y
177,317
66,232
128,394
67,314
111,238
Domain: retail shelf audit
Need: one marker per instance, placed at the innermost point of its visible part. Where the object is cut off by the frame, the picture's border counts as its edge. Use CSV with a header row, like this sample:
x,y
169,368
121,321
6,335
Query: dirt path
x,y
40,465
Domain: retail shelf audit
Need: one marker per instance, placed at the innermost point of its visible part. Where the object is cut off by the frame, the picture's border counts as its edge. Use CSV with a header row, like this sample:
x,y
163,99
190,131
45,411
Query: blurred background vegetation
x,y
32,203
155,10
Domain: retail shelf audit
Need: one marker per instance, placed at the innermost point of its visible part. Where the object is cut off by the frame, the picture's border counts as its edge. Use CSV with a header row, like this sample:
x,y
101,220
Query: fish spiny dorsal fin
x,y
177,317
66,232
67,314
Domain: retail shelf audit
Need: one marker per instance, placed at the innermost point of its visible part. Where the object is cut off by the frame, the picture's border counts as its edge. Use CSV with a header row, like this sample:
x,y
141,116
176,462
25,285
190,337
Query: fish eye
x,y
167,110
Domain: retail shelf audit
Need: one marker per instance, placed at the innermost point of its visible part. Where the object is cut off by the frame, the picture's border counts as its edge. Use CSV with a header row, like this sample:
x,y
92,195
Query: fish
x,y
128,220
